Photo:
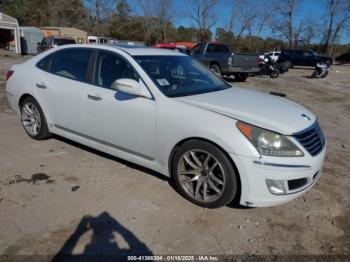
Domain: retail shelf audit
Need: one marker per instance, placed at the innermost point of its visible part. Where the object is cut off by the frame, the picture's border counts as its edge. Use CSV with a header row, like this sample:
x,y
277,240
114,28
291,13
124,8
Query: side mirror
x,y
131,87
39,43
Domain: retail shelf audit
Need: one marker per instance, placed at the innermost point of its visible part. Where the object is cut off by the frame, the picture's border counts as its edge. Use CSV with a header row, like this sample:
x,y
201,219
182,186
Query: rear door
x,y
298,56
222,53
197,52
61,87
208,54
308,58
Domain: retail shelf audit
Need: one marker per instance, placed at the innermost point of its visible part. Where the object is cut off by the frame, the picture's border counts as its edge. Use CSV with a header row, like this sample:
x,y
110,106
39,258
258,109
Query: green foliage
x,y
186,34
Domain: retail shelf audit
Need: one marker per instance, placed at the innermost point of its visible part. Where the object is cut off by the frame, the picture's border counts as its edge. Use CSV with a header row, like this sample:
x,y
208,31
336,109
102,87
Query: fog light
x,y
277,187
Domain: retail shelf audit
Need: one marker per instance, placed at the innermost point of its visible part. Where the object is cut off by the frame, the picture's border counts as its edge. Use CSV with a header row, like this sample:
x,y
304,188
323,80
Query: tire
x,y
289,64
204,175
274,73
33,119
216,70
325,74
241,77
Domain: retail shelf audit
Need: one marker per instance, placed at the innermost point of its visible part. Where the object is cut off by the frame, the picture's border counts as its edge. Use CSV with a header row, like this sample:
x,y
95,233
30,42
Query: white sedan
x,y
162,110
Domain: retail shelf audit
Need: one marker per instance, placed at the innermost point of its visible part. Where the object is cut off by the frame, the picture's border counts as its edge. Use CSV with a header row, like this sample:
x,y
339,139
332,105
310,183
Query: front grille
x,y
312,139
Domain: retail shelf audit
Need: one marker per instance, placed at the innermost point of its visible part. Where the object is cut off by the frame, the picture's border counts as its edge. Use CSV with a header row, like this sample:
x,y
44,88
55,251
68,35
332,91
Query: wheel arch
x,y
24,96
180,143
214,63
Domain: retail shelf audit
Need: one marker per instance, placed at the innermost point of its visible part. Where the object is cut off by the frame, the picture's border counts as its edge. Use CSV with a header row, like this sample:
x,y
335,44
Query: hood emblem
x,y
306,117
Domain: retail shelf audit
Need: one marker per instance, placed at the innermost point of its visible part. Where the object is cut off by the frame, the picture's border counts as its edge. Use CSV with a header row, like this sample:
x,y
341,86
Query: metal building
x,y
80,36
9,24
30,37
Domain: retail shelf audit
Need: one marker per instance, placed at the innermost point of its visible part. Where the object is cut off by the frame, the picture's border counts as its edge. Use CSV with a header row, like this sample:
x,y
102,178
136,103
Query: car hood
x,y
257,108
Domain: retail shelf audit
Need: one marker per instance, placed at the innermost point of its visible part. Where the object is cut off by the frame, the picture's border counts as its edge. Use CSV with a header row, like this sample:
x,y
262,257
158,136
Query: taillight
x,y
9,74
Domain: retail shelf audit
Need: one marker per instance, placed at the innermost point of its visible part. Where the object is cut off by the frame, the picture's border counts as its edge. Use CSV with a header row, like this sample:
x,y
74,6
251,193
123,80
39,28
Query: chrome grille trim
x,y
312,139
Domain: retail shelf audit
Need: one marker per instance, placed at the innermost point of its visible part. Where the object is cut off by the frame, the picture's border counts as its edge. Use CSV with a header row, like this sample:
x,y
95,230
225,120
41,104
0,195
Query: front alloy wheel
x,y
204,175
201,175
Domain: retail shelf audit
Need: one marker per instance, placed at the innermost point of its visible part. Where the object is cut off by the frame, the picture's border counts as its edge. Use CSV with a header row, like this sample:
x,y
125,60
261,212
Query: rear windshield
x,y
64,41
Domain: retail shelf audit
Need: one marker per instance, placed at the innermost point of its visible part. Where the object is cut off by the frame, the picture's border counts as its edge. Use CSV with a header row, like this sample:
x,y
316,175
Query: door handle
x,y
41,85
94,97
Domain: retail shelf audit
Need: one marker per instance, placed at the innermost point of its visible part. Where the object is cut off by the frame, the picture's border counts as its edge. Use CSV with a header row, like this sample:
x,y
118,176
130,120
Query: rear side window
x,y
71,63
44,41
298,53
221,49
59,42
211,48
307,53
111,67
197,49
44,64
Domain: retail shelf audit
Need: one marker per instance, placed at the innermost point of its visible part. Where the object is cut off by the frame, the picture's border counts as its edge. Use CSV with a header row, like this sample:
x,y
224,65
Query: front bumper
x,y
254,173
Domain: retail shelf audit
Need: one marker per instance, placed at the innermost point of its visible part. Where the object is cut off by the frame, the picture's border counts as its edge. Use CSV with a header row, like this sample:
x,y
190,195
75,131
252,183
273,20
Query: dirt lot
x,y
58,196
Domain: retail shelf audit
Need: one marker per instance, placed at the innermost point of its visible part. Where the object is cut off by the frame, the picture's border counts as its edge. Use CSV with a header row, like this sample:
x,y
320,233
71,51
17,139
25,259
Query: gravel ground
x,y
56,195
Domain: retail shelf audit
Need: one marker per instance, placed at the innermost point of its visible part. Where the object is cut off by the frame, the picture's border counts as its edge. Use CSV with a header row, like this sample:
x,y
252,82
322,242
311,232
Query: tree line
x,y
252,25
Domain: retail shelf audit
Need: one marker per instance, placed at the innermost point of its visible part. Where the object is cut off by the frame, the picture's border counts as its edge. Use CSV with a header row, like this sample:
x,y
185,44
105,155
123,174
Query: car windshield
x,y
180,75
64,41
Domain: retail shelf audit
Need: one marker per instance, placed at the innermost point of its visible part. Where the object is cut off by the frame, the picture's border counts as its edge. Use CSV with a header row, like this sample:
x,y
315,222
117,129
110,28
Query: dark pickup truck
x,y
219,59
300,57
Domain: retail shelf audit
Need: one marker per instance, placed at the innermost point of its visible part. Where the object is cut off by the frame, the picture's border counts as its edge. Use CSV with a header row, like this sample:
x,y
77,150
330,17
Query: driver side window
x,y
307,53
111,67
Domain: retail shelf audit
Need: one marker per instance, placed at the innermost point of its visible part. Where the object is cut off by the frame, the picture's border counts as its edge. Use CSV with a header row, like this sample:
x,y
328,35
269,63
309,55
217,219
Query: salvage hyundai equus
x,y
161,109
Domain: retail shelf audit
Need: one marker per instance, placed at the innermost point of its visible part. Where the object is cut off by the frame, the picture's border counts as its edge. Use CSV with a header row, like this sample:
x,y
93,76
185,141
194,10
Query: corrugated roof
x,y
7,19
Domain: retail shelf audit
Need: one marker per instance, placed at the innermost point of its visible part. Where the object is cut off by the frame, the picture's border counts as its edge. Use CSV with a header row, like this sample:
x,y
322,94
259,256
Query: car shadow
x,y
114,158
304,68
307,77
234,204
104,230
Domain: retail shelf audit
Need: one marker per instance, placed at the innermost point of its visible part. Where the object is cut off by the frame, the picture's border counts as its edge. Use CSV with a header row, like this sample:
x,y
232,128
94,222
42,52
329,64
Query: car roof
x,y
60,37
138,51
132,50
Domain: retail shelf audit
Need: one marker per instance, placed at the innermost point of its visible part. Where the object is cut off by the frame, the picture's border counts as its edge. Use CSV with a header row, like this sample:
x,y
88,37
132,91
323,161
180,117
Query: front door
x,y
116,119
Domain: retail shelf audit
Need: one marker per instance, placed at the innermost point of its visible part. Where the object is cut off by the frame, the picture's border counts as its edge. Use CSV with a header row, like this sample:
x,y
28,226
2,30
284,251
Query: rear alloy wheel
x,y
274,73
204,175
33,119
216,70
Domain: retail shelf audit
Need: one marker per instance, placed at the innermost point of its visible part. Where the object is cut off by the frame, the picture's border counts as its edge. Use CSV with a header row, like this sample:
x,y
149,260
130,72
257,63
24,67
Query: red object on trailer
x,y
188,45
165,45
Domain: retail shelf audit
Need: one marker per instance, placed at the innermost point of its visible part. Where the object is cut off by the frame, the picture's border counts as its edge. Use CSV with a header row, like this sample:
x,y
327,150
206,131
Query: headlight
x,y
269,143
